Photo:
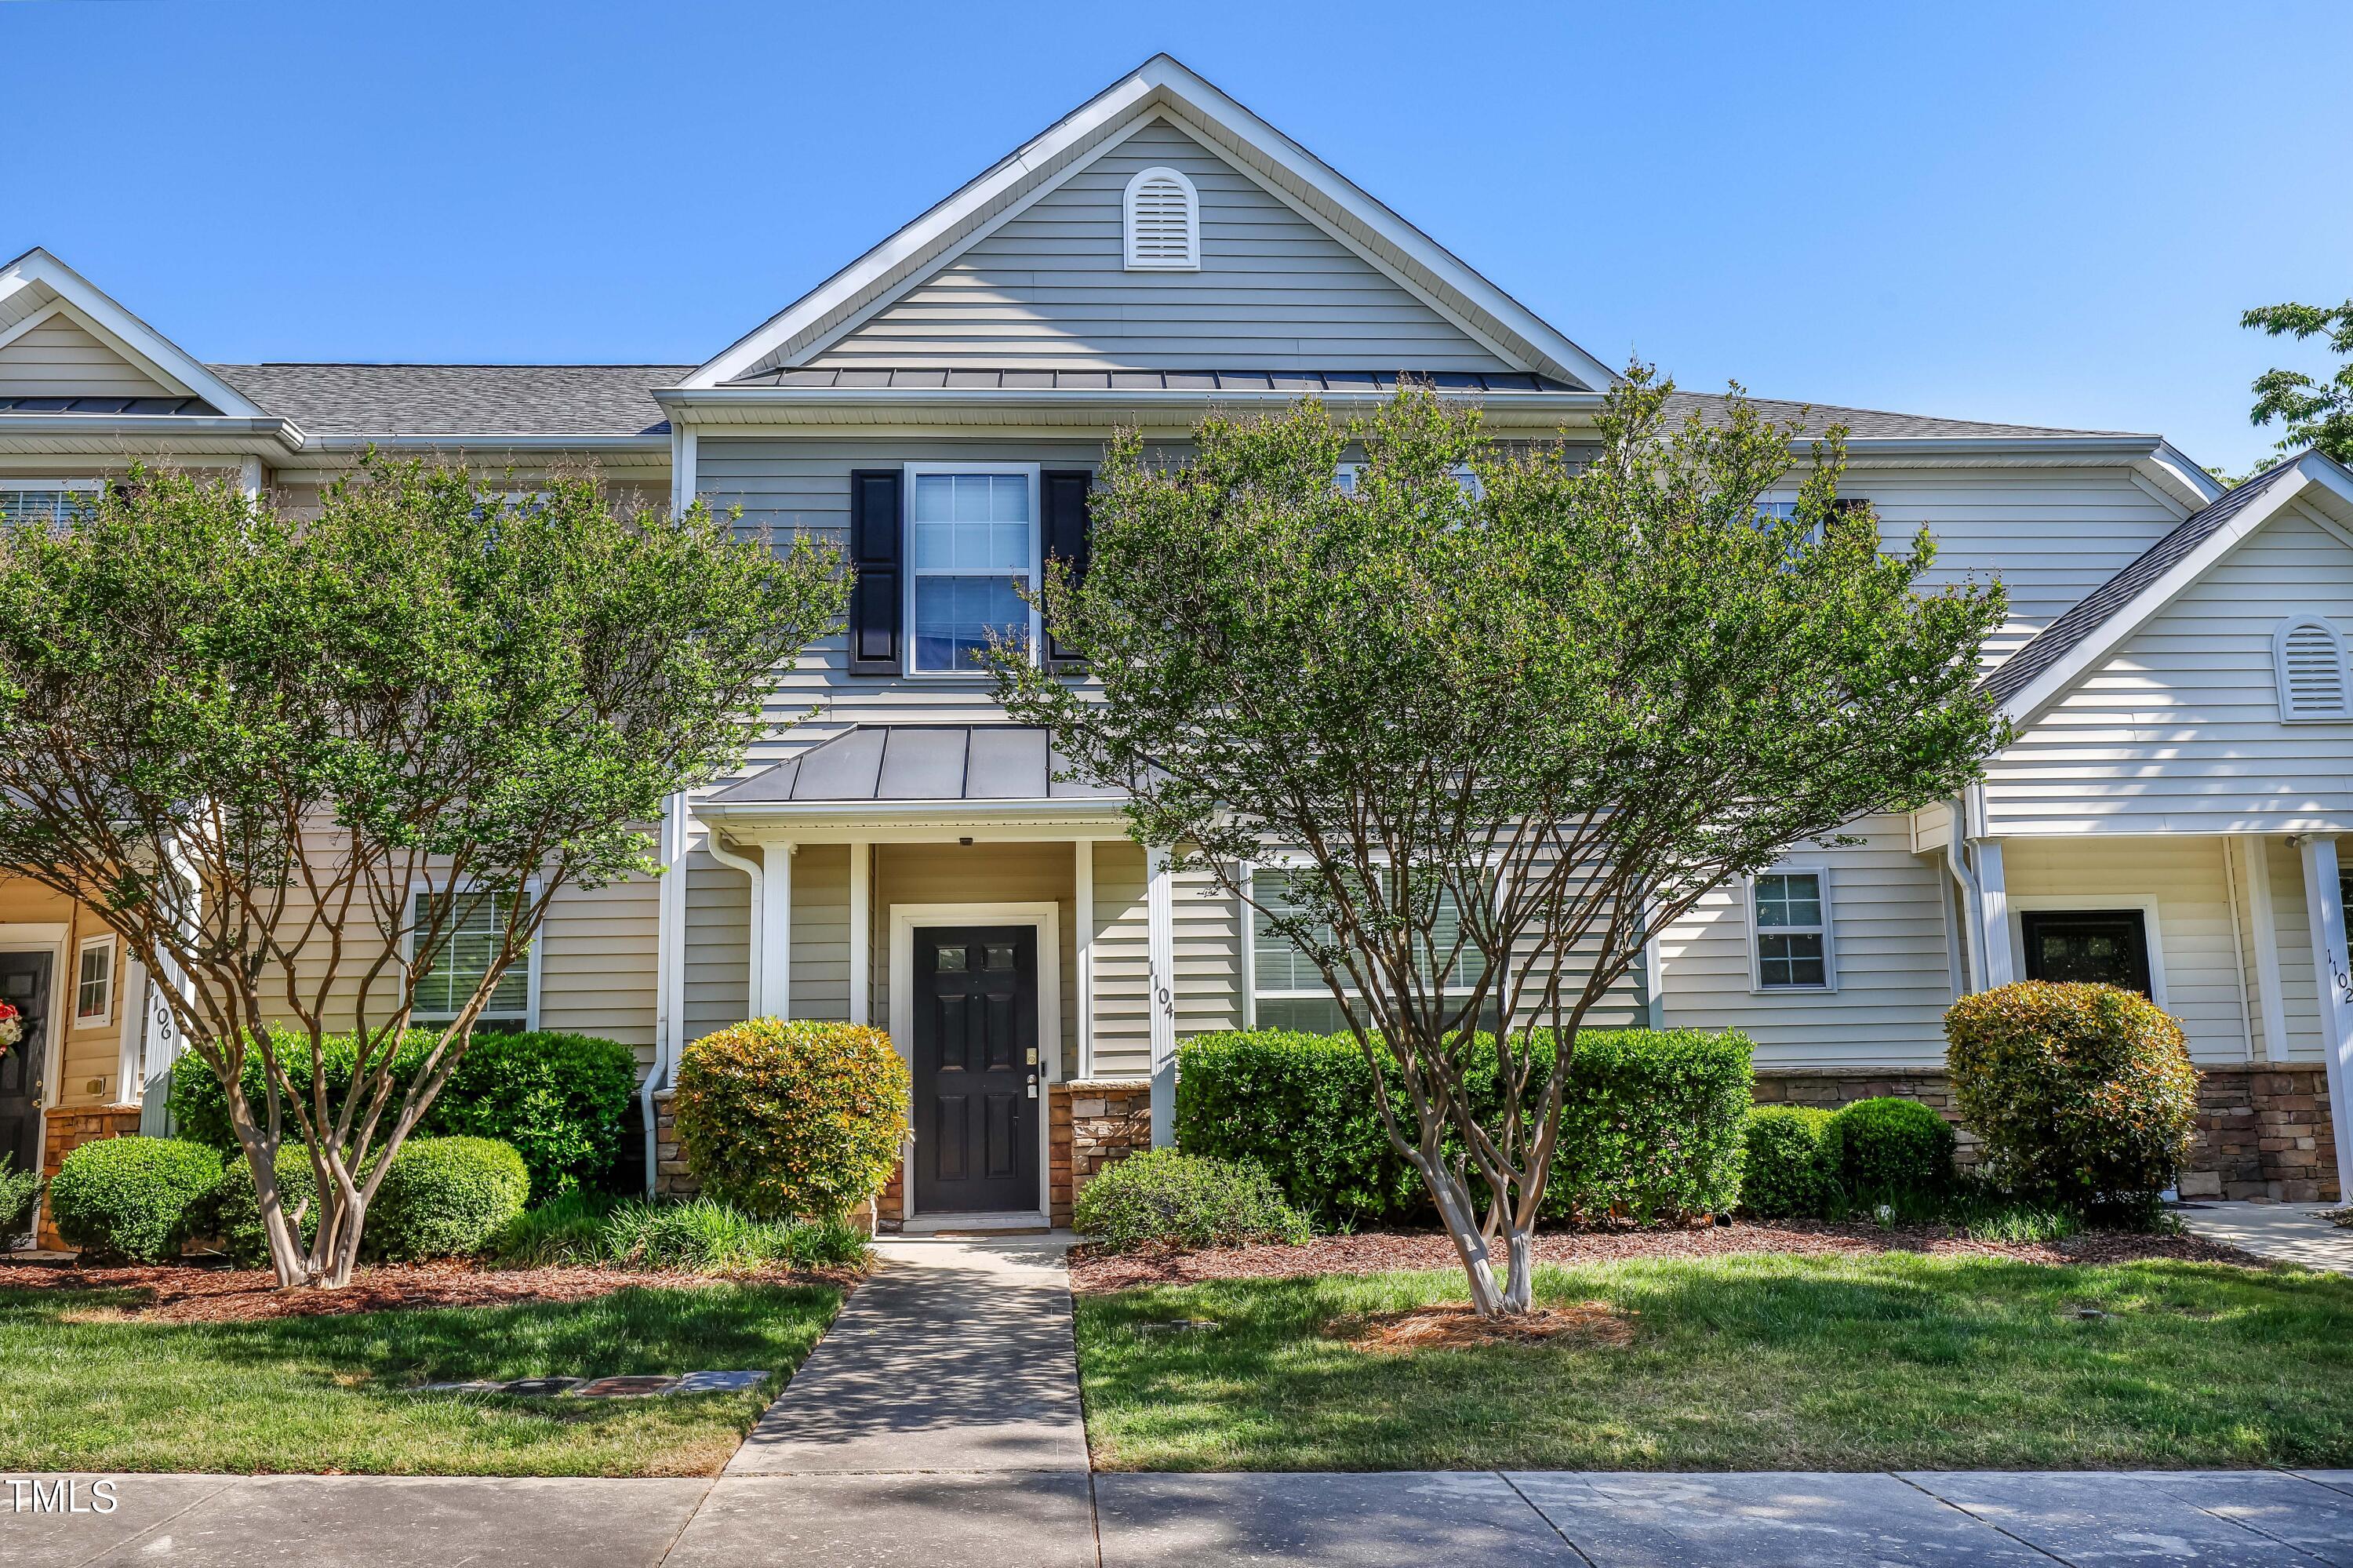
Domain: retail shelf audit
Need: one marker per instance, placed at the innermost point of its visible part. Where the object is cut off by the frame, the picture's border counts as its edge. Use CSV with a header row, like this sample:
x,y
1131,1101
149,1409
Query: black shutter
x,y
1065,536
875,551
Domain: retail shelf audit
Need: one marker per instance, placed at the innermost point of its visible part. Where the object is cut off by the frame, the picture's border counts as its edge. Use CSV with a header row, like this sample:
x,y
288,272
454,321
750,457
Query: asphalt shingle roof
x,y
461,399
1812,418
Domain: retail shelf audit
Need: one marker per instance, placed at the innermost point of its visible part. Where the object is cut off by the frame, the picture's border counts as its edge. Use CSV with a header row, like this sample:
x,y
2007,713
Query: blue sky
x,y
2044,213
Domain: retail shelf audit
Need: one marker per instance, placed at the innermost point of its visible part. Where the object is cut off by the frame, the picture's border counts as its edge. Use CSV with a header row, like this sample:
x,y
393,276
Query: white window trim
x,y
1286,864
907,552
1344,477
1757,985
2294,621
1139,263
113,980
2092,903
531,957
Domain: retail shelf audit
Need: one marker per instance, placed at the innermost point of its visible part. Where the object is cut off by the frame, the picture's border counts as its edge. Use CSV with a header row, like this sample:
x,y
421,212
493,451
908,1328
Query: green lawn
x,y
84,1389
1758,1362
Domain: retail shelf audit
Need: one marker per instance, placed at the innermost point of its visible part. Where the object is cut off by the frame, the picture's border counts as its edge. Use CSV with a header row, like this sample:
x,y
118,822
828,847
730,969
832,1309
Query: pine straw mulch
x,y
1451,1326
190,1293
1384,1252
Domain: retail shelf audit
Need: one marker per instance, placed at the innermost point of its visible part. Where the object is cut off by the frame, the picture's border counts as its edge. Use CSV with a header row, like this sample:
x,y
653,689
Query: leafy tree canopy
x,y
2314,413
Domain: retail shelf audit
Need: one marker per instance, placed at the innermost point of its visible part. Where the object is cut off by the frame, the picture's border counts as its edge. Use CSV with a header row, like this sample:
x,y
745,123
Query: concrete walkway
x,y
2291,1233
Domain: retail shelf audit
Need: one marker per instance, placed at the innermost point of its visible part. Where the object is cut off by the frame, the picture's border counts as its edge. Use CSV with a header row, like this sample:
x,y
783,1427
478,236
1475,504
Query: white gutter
x,y
670,980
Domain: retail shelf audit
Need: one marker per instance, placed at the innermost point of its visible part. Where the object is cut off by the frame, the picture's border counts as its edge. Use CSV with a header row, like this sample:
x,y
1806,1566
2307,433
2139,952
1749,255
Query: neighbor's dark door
x,y
24,983
975,1045
2108,945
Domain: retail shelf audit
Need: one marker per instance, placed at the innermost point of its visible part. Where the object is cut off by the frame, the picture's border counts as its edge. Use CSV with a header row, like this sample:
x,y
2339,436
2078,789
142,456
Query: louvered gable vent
x,y
2310,657
1162,216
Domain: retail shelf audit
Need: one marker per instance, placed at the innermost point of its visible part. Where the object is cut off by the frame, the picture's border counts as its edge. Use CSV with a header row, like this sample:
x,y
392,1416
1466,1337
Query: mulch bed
x,y
187,1293
1450,1328
1383,1252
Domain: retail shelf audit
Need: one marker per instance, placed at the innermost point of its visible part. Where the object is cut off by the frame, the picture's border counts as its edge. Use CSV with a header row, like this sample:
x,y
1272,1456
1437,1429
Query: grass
x,y
698,1235
84,1388
1758,1362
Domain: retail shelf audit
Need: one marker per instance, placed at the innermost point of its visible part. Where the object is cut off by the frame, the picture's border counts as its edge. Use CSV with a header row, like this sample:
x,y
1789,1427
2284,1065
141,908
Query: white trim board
x,y
1047,917
92,310
2091,903
49,937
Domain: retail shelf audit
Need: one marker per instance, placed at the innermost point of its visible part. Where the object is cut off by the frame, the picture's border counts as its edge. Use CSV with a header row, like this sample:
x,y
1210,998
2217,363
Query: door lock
x,y
1033,1088
1033,1055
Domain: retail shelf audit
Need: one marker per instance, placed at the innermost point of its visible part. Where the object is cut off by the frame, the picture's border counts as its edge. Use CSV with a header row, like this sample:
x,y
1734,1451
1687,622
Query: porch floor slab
x,y
957,1356
2286,1232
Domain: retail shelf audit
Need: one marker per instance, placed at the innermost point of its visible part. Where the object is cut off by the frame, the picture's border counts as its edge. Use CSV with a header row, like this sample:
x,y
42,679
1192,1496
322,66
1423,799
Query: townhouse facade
x,y
2174,663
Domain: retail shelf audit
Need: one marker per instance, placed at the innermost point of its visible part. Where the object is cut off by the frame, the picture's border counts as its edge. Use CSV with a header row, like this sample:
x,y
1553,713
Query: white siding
x,y
2179,731
1049,290
59,359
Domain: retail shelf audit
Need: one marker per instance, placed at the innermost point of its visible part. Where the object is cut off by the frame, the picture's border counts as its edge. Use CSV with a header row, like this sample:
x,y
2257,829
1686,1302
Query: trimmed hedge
x,y
1654,1128
560,1099
132,1198
234,1217
19,1190
444,1197
1888,1148
2082,1094
1785,1178
1163,1198
792,1120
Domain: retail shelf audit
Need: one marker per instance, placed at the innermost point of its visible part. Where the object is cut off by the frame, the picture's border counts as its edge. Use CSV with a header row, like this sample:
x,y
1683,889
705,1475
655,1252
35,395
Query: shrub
x,y
1161,1197
560,1099
1888,1147
800,1118
2081,1093
444,1197
1652,1127
19,1190
1784,1176
700,1235
234,1215
132,1198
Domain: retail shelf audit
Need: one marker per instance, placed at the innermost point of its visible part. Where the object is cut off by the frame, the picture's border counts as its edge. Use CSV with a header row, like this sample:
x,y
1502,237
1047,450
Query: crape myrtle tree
x,y
1507,727
296,761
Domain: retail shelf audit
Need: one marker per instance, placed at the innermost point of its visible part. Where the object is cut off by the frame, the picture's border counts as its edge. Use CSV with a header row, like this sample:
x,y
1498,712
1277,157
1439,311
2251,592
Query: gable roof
x,y
2088,633
1160,88
37,287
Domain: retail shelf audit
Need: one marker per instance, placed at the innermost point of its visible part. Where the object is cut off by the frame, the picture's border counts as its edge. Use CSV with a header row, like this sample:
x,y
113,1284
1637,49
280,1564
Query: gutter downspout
x,y
669,953
752,869
1972,917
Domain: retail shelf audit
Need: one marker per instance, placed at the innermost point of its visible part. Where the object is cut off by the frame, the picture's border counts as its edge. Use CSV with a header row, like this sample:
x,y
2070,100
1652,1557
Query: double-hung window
x,y
471,925
94,983
1791,931
50,501
972,550
1287,990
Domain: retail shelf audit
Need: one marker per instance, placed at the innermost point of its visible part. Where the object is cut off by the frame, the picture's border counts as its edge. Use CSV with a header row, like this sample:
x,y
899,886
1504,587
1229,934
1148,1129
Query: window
x,y
1782,511
972,548
94,983
1162,217
468,945
1343,479
2308,657
1792,930
43,500
2108,946
1287,990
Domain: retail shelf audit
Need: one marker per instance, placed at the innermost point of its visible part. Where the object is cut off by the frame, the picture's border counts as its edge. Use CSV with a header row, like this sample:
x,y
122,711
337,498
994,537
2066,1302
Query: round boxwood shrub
x,y
235,1212
1784,1176
131,1198
444,1197
801,1119
1887,1147
2081,1093
1164,1198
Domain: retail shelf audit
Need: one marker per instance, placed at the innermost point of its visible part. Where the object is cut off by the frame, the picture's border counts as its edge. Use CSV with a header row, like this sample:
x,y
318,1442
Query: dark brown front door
x,y
25,985
976,1073
2109,946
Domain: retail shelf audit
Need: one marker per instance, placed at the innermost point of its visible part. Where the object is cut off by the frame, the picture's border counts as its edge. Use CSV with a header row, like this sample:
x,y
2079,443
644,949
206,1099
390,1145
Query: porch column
x,y
1083,947
861,932
1993,915
2333,973
2263,929
1160,951
777,930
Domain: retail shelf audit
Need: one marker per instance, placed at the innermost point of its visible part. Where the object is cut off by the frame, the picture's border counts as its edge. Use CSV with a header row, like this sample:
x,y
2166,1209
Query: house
x,y
2174,663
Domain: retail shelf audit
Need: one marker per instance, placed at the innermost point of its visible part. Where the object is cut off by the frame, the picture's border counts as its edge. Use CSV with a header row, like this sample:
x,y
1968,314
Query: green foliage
x,y
1785,1178
132,1198
802,1119
19,1190
1887,1147
445,1197
2314,413
2081,1094
1651,1121
560,1099
1162,1198
234,1214
700,1235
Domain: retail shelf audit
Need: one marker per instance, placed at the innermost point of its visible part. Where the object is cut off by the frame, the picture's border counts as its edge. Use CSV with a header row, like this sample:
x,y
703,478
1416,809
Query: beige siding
x,y
718,945
1122,967
820,966
2179,731
1208,955
596,962
1891,949
981,873
59,359
1049,289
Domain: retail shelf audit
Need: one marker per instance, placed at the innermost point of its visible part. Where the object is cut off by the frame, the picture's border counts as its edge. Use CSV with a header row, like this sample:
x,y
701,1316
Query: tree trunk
x,y
1462,1222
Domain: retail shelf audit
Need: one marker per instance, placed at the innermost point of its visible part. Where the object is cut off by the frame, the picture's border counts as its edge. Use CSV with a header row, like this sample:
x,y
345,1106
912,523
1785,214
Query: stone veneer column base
x,y
2263,1129
1091,1123
70,1126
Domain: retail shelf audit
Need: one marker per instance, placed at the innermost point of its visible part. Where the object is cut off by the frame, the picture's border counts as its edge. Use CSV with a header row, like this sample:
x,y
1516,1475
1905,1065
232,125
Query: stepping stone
x,y
640,1386
719,1381
538,1387
477,1386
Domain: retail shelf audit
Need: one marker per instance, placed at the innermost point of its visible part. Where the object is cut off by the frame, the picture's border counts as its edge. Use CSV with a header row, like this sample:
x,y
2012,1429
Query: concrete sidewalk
x,y
2288,1233
1012,1519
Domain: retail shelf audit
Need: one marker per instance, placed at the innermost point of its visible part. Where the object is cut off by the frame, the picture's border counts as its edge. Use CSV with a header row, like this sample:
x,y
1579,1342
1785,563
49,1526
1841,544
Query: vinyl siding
x,y
980,874
59,359
596,962
718,945
2179,731
1048,289
1123,1021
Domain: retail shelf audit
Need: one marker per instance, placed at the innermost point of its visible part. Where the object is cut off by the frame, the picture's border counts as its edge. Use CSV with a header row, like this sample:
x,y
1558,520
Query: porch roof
x,y
918,762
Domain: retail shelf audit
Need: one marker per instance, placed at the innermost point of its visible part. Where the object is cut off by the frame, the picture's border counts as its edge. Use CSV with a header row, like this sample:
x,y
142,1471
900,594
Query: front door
x,y
976,1069
2110,946
24,984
